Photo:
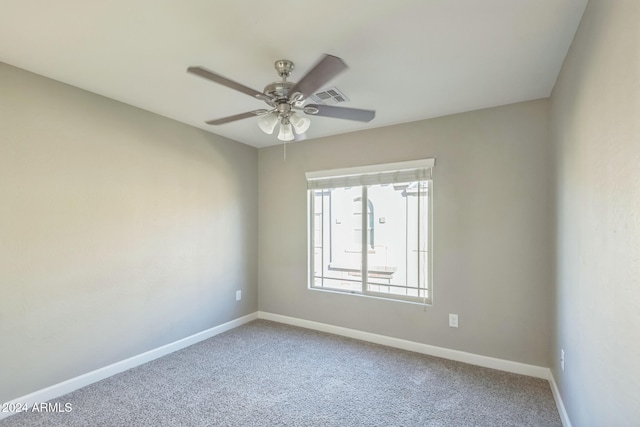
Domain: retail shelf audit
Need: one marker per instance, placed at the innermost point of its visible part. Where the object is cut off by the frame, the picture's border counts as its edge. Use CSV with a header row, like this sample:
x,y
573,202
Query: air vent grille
x,y
329,96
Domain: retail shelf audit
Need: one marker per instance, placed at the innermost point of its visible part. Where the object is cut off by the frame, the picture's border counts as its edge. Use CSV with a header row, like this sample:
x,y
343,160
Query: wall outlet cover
x,y
453,320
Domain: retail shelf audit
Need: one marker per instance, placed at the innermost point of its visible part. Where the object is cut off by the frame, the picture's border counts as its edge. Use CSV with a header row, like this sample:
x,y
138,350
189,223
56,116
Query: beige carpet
x,y
269,374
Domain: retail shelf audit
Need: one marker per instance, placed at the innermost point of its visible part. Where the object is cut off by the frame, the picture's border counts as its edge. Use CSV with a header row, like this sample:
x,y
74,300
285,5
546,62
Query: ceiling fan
x,y
287,99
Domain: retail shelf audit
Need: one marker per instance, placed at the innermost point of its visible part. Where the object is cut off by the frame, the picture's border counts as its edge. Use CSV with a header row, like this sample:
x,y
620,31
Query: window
x,y
392,203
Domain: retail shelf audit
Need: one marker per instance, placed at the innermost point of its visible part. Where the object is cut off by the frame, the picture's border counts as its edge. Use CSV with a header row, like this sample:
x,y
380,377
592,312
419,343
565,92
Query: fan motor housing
x,y
278,90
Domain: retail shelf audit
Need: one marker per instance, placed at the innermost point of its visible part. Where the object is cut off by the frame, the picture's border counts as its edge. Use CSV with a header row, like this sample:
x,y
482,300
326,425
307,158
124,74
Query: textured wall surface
x,y
120,231
596,134
492,232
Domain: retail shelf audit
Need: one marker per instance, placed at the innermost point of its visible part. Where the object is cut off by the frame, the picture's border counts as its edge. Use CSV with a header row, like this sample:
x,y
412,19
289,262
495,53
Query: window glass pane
x,y
397,261
423,236
337,259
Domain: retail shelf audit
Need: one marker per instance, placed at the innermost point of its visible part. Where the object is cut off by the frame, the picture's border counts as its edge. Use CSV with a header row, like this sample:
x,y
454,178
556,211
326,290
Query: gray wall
x,y
492,231
120,231
596,134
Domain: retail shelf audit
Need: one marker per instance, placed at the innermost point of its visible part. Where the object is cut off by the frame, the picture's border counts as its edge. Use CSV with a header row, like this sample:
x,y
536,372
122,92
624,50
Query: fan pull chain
x,y
284,146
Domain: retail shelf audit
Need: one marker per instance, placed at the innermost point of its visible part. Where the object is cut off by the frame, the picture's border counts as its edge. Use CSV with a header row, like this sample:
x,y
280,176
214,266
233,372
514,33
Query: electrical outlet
x,y
562,359
453,320
238,295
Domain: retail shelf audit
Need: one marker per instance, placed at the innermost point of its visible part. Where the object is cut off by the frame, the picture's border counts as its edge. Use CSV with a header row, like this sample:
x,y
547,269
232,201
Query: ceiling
x,y
409,59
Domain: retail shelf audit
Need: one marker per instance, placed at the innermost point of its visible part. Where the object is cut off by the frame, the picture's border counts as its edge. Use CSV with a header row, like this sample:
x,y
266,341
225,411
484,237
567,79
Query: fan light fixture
x,y
300,124
289,124
268,122
286,132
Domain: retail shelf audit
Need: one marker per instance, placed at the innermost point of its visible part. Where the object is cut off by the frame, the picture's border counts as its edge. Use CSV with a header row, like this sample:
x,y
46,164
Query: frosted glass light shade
x,y
300,124
286,133
268,122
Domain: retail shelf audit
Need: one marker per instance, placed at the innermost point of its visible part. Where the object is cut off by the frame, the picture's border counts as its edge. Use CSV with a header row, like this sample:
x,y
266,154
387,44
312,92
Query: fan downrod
x,y
279,91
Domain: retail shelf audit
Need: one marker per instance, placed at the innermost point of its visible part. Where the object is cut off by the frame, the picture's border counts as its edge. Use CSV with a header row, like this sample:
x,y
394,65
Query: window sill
x,y
408,300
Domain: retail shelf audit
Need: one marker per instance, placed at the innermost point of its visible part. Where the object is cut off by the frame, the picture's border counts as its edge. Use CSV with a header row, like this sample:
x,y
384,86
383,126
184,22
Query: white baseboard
x,y
564,416
73,384
445,353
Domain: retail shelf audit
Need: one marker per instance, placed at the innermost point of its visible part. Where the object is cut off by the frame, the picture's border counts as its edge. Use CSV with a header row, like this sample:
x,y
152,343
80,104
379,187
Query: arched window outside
x,y
357,222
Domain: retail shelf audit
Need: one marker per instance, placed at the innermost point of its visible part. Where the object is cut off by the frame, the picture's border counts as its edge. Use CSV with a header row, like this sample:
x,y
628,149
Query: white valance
x,y
387,173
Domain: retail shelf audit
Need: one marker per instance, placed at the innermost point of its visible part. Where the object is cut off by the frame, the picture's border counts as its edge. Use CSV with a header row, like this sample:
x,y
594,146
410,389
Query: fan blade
x,y
326,69
217,78
340,112
237,117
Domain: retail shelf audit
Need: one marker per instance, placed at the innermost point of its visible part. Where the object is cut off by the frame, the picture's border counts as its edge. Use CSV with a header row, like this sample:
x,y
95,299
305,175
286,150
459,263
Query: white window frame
x,y
363,176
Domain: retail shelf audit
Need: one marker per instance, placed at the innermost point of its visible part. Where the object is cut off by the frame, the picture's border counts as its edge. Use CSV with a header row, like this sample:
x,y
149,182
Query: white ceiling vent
x,y
331,96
